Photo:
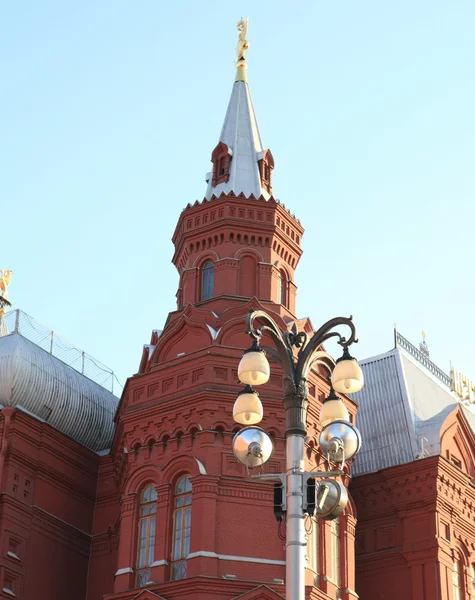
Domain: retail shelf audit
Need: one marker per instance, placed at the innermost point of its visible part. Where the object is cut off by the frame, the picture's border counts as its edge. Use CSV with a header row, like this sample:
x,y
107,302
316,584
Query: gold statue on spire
x,y
243,44
241,50
5,277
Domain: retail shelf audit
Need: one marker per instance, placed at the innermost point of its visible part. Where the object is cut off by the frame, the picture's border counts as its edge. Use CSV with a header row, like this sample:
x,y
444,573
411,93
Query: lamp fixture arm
x,y
310,353
281,340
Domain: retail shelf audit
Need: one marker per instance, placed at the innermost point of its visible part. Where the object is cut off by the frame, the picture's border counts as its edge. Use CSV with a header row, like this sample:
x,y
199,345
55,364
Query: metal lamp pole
x,y
296,371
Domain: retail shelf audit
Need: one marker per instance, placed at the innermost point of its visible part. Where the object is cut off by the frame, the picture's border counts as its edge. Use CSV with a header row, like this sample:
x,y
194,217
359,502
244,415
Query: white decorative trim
x,y
263,561
124,571
9,592
13,555
159,563
201,467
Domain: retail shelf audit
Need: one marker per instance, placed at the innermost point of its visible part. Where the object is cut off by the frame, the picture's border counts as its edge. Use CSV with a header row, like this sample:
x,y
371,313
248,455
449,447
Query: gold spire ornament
x,y
241,50
5,277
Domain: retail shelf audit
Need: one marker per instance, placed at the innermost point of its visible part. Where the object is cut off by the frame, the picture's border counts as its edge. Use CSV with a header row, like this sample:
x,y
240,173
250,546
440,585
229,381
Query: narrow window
x,y
316,528
207,281
313,546
146,535
181,527
281,293
457,580
335,545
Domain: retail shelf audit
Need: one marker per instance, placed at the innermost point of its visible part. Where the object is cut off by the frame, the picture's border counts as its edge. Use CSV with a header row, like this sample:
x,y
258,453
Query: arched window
x,y
146,534
336,552
181,527
207,281
282,291
457,580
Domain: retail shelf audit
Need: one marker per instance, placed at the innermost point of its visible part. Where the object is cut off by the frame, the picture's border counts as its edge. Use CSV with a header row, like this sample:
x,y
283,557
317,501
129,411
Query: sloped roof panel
x,y
33,379
383,418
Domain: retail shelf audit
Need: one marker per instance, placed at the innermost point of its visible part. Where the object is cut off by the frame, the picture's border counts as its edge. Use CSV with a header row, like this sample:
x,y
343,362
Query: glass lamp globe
x,y
247,409
254,367
347,376
333,409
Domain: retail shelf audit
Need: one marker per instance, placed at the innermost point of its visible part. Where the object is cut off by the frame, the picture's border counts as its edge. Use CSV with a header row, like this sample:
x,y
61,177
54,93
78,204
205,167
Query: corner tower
x,y
239,241
191,523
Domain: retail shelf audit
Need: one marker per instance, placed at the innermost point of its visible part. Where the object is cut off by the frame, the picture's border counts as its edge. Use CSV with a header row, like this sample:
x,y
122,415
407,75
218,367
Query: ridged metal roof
x,y
402,407
33,379
383,417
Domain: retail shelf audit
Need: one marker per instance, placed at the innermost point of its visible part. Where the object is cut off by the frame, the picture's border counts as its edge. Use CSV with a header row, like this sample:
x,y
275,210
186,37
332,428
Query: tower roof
x,y
240,138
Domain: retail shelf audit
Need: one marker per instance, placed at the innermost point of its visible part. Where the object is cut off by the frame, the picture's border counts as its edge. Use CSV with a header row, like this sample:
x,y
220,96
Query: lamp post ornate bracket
x,y
297,368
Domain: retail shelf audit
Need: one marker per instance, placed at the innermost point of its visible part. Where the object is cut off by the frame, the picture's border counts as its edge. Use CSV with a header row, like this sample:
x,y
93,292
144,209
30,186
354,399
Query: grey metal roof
x,y
383,416
241,134
40,383
402,406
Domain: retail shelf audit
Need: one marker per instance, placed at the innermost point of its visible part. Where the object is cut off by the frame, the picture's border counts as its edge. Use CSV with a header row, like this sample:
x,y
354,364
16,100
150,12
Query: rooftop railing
x,y
20,322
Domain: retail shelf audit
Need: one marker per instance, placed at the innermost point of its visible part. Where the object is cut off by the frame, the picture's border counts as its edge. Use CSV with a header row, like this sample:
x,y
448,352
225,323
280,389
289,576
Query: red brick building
x,y
159,507
413,484
143,499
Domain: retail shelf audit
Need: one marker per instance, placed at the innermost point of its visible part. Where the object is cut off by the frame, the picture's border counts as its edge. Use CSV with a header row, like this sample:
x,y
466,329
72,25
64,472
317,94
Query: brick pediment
x,y
147,595
457,440
262,592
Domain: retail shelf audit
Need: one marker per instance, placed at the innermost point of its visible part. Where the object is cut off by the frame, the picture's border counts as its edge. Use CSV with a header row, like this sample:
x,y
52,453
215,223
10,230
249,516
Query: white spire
x,y
239,172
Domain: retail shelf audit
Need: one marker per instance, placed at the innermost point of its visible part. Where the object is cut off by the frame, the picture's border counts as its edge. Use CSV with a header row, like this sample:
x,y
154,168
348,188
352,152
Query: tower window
x,y
181,527
282,289
207,281
266,164
457,580
221,159
146,534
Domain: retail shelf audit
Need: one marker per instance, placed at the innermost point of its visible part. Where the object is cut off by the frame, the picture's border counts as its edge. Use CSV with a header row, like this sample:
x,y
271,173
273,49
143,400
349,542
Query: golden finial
x,y
5,277
241,49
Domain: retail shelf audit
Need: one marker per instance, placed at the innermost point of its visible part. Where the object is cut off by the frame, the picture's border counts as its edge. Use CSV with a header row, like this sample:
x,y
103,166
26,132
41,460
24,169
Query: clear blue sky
x,y
368,108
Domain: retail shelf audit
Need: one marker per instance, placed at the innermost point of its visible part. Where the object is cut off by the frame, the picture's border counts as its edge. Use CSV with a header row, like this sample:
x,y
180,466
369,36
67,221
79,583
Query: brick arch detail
x,y
139,477
181,465
204,256
249,252
183,328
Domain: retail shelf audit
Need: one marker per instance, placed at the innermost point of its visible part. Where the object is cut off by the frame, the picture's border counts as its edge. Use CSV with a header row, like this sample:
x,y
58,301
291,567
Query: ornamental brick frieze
x,y
205,486
84,493
252,495
81,459
104,542
60,531
381,562
128,502
164,491
227,263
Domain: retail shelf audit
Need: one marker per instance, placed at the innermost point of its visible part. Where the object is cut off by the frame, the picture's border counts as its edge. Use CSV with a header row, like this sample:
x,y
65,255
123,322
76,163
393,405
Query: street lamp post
x,y
339,439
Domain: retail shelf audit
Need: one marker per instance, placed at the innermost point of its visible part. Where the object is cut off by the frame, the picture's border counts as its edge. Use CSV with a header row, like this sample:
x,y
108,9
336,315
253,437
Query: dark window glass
x,y
207,281
146,537
181,527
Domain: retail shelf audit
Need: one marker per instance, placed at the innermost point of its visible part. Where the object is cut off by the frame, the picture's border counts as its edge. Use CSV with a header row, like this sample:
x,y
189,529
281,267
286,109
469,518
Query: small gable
x,y
457,439
262,592
148,595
